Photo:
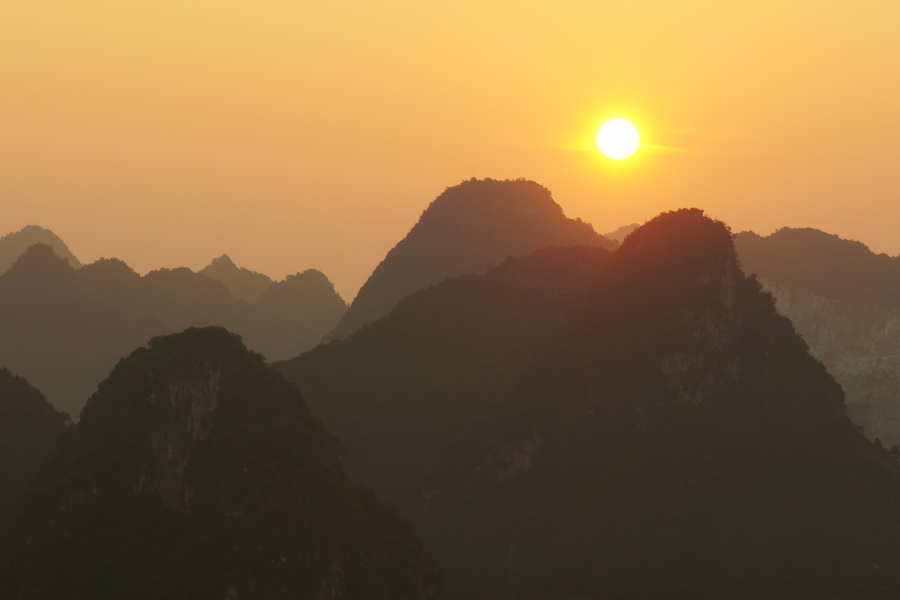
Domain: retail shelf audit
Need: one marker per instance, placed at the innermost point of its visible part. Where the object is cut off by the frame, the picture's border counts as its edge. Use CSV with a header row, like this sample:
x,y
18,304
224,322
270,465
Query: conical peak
x,y
223,261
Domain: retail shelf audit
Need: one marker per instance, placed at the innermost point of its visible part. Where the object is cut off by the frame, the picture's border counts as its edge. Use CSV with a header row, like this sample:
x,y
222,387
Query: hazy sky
x,y
293,134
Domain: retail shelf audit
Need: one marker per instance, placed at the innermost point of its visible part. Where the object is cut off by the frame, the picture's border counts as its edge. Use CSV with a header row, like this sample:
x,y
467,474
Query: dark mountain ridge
x,y
29,427
437,362
469,228
673,438
197,471
680,428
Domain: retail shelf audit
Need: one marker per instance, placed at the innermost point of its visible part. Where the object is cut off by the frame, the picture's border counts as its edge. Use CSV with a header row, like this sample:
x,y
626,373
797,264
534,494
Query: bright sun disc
x,y
618,139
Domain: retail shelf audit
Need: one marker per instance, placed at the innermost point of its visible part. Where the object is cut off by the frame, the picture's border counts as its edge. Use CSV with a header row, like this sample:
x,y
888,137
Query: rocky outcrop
x,y
859,344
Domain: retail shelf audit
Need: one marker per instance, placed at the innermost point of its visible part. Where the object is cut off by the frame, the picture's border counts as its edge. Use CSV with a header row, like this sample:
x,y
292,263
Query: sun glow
x,y
618,139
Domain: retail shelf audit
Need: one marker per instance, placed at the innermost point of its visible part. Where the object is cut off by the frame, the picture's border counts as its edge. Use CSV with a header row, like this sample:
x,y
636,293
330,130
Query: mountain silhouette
x,y
822,263
469,228
29,427
64,330
242,283
13,245
399,389
843,299
197,471
60,337
292,316
619,234
673,438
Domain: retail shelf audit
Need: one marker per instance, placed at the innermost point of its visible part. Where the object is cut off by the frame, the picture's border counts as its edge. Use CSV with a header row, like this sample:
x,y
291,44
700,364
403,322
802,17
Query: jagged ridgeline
x,y
64,329
673,439
469,228
197,471
29,427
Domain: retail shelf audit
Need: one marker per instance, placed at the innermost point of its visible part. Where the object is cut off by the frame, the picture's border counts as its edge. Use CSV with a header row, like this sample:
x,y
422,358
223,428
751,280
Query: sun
x,y
618,139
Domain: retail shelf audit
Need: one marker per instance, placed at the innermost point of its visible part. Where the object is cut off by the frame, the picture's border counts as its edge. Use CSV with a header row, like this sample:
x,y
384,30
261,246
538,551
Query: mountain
x,y
292,316
859,344
468,229
64,330
619,234
242,283
197,471
398,390
672,438
13,245
177,298
59,336
822,263
29,427
844,300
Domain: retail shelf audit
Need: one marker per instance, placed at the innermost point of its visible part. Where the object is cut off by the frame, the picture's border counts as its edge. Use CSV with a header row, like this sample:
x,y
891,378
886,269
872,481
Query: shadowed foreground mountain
x,y
845,302
13,245
674,439
64,330
29,427
468,229
399,390
197,471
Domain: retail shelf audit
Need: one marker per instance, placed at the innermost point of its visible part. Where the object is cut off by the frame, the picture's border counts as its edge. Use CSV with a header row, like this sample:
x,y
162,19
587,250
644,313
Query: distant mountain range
x,y
643,424
469,228
242,283
621,233
196,471
822,263
845,301
13,245
65,329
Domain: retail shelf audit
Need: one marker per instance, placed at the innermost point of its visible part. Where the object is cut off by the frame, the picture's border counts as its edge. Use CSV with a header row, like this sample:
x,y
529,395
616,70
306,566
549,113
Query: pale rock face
x,y
859,344
189,405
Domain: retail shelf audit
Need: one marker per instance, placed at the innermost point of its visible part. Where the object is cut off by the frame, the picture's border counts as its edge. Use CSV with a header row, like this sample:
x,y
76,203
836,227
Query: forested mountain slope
x,y
197,471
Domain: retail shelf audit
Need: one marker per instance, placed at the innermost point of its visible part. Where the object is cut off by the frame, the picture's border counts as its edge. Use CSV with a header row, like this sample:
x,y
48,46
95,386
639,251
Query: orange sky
x,y
293,135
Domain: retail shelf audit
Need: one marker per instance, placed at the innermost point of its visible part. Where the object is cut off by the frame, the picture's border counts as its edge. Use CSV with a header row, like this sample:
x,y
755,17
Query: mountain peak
x,y
39,264
15,244
242,283
469,228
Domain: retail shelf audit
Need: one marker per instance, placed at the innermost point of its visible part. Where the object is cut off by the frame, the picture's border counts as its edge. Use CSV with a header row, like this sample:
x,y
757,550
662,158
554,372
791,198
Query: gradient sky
x,y
293,134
